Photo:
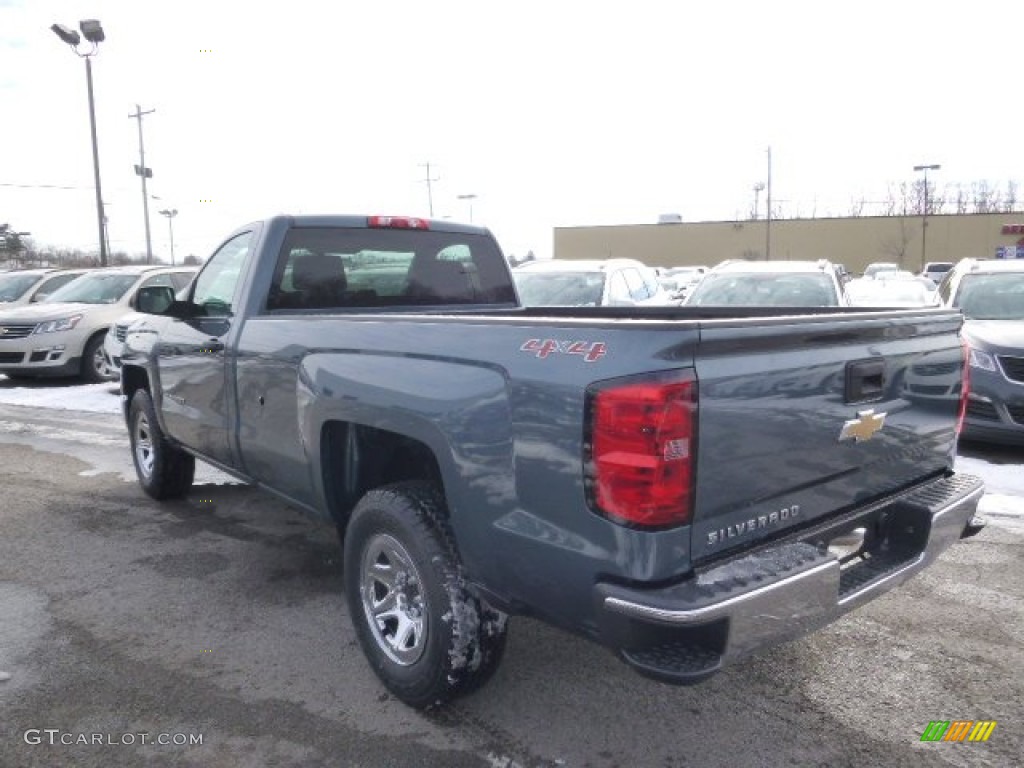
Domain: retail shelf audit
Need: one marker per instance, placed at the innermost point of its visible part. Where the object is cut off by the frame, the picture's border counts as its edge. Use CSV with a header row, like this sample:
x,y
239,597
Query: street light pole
x,y
145,173
430,190
93,33
470,198
170,214
924,210
768,212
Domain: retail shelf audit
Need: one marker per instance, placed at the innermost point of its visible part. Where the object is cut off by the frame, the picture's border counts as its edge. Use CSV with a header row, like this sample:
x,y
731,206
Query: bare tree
x,y
1010,198
984,197
901,200
895,248
961,200
856,209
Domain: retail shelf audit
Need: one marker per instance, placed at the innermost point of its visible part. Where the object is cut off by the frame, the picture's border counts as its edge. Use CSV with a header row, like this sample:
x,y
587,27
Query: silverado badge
x,y
863,427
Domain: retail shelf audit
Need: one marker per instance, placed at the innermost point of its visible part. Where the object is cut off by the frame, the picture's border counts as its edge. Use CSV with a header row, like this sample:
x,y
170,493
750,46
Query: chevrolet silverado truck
x,y
685,485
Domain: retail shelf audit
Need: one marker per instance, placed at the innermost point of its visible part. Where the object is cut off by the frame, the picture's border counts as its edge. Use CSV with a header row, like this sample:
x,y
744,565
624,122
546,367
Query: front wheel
x,y
426,637
164,470
96,369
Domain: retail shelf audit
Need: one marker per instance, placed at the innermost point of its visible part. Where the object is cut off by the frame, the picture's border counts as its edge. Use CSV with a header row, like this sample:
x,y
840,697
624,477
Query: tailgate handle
x,y
865,380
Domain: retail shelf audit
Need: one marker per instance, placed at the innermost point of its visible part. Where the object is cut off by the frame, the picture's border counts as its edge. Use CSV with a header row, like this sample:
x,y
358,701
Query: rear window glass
x,y
763,289
560,289
339,268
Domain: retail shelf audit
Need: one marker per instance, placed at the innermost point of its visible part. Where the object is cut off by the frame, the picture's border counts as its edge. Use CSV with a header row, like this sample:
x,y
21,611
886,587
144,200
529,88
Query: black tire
x,y
438,640
95,367
164,471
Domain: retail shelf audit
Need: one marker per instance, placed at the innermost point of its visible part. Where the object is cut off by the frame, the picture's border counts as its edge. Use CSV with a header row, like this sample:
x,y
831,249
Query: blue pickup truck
x,y
685,485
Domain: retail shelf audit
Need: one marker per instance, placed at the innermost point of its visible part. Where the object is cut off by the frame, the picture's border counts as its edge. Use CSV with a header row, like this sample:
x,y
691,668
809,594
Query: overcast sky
x,y
554,113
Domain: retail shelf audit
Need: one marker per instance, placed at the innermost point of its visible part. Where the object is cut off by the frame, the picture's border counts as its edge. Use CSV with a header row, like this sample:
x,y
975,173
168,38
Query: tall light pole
x,y
924,210
768,212
170,214
470,197
758,188
93,33
144,173
430,191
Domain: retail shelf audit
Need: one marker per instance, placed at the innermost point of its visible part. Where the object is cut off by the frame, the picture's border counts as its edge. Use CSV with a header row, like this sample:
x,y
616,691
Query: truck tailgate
x,y
818,417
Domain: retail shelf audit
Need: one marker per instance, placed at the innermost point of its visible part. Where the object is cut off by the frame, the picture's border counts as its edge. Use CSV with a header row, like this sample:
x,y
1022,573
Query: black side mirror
x,y
155,299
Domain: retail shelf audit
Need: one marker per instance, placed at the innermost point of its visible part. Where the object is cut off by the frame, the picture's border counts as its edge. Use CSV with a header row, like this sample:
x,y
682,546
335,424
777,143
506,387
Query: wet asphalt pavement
x,y
221,618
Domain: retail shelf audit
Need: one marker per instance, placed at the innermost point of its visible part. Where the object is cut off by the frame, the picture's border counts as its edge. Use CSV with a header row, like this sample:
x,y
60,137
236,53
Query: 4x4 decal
x,y
589,351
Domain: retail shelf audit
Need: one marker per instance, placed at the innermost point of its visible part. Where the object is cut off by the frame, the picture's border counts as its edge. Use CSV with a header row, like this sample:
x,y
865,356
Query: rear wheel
x,y
426,637
164,470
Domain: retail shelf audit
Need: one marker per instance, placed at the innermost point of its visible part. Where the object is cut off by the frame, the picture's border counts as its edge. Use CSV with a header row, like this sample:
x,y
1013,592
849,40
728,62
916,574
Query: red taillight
x,y
398,222
965,386
640,463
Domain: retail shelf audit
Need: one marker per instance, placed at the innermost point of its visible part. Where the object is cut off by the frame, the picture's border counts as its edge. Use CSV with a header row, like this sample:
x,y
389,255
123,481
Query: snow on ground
x,y
1001,469
94,398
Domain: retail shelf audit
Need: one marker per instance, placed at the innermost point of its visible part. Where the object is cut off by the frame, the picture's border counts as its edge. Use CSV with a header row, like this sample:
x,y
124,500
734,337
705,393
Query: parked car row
x,y
990,294
73,322
609,283
28,286
62,333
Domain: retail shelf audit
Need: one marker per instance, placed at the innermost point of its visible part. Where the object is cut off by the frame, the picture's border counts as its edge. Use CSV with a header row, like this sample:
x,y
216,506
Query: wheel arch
x,y
356,458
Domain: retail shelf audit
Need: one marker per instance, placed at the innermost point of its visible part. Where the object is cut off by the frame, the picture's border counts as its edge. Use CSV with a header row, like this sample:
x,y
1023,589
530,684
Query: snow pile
x,y
94,398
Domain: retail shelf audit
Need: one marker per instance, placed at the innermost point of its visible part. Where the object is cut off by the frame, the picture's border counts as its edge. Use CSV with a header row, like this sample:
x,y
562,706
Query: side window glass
x,y
637,289
651,281
215,287
181,279
618,292
51,285
945,288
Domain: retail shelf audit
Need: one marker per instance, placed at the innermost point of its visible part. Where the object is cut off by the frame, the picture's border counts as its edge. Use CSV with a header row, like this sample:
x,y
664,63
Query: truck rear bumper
x,y
685,632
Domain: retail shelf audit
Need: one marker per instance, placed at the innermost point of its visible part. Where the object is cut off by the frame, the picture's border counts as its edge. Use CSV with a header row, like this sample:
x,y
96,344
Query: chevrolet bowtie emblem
x,y
863,427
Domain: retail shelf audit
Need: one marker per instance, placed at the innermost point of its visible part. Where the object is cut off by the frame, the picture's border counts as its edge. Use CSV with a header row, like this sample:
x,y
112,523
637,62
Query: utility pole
x,y
768,213
145,173
430,193
924,210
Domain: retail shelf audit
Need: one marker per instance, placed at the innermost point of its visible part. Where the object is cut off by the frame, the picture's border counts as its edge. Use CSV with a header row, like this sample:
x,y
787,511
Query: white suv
x,y
609,283
28,286
741,283
63,335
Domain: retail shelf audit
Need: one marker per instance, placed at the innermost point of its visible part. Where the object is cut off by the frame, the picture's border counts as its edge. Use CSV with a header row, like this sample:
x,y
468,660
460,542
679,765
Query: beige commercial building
x,y
855,242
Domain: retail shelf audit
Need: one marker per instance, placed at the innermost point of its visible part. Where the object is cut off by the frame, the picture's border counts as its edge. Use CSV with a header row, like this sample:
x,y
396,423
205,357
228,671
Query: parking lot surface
x,y
221,618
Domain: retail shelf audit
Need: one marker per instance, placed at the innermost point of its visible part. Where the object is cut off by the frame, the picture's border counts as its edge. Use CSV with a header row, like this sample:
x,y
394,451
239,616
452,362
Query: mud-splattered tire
x,y
164,471
425,636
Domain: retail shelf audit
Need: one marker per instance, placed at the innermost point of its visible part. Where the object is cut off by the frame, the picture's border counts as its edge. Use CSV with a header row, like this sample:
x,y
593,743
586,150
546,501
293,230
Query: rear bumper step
x,y
686,632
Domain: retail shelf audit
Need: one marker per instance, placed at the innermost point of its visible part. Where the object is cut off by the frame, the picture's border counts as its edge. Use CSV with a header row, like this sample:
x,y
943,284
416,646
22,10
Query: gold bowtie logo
x,y
863,427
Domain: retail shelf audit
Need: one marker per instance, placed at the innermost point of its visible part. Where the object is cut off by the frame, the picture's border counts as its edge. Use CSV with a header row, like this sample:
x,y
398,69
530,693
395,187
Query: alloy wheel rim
x,y
99,364
393,600
144,456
